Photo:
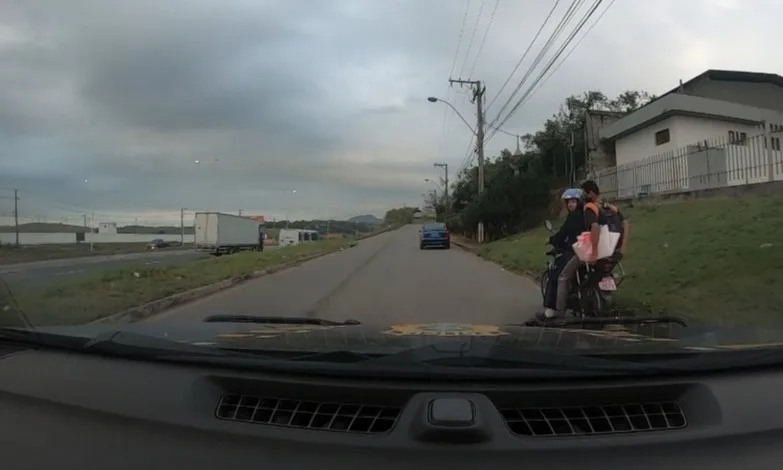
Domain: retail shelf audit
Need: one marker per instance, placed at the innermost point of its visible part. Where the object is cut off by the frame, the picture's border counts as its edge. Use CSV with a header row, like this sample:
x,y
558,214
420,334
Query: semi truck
x,y
222,234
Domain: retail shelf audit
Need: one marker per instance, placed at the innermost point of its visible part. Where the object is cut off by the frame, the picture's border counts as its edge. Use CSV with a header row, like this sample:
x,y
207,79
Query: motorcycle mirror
x,y
548,225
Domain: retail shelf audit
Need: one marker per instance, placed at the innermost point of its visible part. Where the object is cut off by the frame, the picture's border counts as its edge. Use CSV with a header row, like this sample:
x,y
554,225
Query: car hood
x,y
393,338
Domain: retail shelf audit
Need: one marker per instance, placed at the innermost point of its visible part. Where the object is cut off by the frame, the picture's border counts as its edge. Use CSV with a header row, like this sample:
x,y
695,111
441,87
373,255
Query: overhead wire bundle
x,y
549,68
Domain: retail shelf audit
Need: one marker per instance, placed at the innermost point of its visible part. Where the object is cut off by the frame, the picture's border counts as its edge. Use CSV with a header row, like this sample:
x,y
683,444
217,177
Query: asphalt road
x,y
41,274
383,279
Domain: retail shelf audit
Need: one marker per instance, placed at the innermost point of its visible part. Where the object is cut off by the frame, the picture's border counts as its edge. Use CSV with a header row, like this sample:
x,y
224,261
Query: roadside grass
x,y
714,260
109,292
10,254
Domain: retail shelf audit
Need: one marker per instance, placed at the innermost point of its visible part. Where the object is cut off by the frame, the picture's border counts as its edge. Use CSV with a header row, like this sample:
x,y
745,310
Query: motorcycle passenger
x,y
562,241
595,215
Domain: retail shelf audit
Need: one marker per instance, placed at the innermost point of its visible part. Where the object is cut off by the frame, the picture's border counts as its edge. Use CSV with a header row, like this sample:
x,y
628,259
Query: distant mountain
x,y
366,219
41,227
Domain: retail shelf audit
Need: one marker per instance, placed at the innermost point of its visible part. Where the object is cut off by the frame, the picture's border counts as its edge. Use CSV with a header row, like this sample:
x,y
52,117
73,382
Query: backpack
x,y
609,215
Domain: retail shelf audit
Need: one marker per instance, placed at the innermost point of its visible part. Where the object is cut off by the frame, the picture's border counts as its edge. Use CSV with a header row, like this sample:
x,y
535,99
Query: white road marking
x,y
67,273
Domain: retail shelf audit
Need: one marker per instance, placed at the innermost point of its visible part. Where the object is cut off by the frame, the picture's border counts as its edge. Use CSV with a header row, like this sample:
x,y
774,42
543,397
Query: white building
x,y
108,228
688,139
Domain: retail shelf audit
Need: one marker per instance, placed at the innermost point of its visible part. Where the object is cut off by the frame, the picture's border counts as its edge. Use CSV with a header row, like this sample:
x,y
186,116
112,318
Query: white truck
x,y
221,234
295,236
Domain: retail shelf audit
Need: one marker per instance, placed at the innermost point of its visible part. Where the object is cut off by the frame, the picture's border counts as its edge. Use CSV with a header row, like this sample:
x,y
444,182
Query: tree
x,y
518,187
551,144
400,216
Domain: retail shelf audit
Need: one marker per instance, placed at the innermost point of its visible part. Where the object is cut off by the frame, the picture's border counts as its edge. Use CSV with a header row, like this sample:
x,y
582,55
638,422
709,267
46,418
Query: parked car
x,y
158,244
434,235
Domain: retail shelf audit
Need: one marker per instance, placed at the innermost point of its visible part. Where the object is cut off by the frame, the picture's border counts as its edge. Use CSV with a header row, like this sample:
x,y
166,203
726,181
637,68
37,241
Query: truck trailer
x,y
222,234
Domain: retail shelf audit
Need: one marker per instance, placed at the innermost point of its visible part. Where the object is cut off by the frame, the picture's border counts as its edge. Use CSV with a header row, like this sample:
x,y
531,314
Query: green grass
x,y
111,292
717,260
10,254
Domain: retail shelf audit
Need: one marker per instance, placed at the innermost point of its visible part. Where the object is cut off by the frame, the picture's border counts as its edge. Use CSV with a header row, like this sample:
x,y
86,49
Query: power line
x,y
547,45
559,64
472,38
530,46
549,65
484,39
459,40
448,113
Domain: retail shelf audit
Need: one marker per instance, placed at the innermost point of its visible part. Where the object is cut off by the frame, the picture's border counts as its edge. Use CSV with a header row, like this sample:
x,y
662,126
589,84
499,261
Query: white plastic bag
x,y
607,243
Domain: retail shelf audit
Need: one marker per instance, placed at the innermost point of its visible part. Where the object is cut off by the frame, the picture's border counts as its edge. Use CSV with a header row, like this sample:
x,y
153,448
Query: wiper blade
x,y
129,344
602,321
277,320
13,304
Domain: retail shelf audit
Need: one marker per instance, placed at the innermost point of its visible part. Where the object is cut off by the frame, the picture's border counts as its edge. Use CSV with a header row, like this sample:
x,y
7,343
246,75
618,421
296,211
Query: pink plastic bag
x,y
583,248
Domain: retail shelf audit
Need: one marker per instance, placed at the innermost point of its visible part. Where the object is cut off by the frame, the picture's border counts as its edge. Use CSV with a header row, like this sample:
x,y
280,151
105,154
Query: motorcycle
x,y
591,294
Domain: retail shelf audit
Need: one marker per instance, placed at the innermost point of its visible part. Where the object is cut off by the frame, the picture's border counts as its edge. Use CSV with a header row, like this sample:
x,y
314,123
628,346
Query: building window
x,y
738,138
662,137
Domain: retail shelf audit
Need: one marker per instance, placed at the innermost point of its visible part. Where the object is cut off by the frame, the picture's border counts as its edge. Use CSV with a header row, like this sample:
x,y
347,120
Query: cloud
x,y
106,106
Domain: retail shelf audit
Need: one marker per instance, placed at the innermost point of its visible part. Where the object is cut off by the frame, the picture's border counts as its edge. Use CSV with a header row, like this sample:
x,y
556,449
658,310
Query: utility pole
x,y
16,214
445,167
478,98
182,226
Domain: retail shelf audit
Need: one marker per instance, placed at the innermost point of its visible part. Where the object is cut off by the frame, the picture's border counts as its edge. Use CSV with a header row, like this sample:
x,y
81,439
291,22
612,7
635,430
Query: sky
x,y
132,111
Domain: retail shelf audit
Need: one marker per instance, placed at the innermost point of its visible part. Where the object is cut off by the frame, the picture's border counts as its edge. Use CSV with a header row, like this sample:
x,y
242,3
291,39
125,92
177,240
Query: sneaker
x,y
549,313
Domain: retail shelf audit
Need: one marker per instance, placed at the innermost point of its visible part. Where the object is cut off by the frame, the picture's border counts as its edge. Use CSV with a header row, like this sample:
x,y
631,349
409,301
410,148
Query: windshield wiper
x,y
13,304
277,320
602,321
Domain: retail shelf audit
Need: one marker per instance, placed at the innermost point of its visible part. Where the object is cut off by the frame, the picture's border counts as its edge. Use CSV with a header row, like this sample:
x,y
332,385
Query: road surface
x,y
384,279
41,274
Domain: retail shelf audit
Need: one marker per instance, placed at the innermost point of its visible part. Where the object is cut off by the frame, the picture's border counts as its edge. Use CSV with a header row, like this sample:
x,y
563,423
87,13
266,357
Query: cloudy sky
x,y
306,108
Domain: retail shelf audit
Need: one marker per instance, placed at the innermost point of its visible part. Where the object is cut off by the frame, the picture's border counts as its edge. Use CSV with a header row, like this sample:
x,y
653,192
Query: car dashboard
x,y
69,409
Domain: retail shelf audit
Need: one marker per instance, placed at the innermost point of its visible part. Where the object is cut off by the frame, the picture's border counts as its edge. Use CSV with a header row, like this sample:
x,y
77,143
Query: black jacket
x,y
573,226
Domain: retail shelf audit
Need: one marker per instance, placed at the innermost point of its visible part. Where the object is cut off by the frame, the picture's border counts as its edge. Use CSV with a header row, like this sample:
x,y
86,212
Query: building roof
x,y
683,104
673,103
677,104
731,76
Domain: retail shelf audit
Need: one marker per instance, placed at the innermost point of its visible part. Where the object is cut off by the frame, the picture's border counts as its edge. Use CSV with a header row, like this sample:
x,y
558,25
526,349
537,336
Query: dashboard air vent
x,y
353,418
592,420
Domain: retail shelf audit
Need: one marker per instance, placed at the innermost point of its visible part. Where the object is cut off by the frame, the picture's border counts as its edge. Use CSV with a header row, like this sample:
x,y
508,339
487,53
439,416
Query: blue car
x,y
434,235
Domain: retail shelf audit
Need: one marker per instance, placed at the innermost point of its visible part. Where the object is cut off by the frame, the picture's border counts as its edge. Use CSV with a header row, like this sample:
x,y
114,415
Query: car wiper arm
x,y
277,320
13,304
602,321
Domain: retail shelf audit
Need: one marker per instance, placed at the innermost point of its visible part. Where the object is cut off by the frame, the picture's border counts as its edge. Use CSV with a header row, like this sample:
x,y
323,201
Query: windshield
x,y
295,165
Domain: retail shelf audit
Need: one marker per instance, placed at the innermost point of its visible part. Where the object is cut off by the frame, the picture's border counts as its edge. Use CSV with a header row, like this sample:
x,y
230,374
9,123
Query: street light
x,y
478,133
433,99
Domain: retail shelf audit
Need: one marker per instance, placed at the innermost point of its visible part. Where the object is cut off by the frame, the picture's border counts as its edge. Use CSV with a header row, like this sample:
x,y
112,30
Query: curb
x,y
149,309
532,276
464,246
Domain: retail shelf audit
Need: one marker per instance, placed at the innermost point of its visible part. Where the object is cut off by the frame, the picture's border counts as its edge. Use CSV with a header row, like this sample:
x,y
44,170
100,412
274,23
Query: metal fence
x,y
736,159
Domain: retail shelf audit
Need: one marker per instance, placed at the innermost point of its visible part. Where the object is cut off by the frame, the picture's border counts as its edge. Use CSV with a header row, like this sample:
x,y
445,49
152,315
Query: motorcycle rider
x,y
562,240
596,214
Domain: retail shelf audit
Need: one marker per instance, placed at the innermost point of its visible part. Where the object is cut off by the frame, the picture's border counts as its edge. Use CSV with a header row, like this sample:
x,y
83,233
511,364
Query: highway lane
x,y
41,274
383,279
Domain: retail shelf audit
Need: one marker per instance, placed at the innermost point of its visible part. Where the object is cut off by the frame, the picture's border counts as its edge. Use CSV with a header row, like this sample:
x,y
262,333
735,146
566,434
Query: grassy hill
x,y
717,260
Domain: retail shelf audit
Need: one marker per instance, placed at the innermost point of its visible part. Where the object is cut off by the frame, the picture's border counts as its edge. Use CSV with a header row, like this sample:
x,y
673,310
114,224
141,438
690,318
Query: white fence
x,y
68,238
734,160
